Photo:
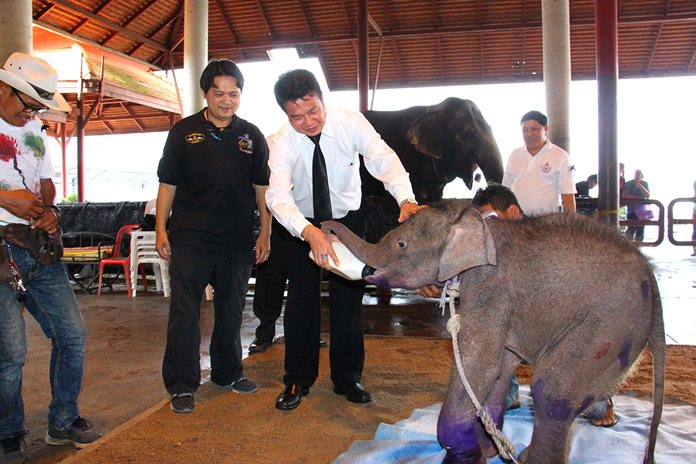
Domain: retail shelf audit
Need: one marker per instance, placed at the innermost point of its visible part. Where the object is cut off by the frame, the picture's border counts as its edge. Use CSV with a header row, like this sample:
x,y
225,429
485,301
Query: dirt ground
x,y
402,374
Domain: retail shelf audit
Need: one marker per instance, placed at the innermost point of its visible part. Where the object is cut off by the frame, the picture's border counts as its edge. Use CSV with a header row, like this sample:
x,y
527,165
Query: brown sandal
x,y
609,419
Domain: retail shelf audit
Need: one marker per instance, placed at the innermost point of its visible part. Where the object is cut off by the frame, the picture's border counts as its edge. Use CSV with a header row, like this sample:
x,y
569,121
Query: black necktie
x,y
320,184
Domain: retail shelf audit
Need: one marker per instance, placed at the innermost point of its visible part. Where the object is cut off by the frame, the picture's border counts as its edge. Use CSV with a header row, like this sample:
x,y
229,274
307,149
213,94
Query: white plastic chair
x,y
143,251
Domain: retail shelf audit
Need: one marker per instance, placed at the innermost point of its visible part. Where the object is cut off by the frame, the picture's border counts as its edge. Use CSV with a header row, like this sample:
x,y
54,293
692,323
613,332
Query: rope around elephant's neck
x,y
504,445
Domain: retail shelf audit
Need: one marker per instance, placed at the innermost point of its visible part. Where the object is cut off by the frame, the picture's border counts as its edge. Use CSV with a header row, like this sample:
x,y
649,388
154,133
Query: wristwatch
x,y
408,201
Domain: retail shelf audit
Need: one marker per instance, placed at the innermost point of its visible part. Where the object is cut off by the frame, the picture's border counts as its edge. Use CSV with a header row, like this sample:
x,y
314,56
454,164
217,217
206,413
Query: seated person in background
x,y
583,187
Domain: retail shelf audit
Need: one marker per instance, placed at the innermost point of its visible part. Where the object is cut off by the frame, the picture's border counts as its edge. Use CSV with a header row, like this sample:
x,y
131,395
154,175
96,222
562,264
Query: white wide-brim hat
x,y
34,77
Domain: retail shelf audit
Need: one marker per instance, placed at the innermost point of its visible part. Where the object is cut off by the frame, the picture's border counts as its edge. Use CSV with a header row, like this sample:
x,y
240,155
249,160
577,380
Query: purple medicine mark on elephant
x,y
555,408
602,351
645,290
623,354
453,435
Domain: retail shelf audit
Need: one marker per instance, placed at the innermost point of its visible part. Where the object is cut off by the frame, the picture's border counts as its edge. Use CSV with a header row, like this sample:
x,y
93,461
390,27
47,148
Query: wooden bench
x,y
82,254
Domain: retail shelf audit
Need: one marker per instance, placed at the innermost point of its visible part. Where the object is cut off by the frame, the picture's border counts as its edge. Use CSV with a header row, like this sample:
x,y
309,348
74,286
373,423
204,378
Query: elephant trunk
x,y
364,251
490,161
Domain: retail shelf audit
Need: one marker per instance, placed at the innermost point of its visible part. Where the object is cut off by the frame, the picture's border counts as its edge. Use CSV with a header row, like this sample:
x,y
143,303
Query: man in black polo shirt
x,y
213,175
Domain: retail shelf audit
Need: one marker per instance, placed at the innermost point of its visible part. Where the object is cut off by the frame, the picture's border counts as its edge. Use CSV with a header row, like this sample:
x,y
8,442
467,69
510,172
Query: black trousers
x,y
302,321
190,271
271,277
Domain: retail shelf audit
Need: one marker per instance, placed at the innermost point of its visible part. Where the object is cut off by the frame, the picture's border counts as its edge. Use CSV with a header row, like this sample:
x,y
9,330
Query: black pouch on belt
x,y
47,249
5,269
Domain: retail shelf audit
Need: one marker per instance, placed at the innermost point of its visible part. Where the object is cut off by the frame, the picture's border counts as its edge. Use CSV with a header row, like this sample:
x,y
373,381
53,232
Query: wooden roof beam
x,y
305,16
653,51
154,32
110,24
433,8
135,117
129,117
349,25
139,12
107,126
259,5
228,23
83,21
44,11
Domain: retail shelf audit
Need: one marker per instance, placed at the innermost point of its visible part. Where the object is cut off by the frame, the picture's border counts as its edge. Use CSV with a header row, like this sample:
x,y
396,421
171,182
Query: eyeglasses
x,y
29,108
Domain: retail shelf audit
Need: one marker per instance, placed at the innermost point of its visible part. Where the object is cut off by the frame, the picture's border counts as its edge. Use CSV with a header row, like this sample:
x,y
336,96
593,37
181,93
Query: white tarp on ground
x,y
414,440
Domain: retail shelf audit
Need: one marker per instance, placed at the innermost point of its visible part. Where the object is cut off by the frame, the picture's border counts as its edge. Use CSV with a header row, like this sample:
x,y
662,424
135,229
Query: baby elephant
x,y
564,293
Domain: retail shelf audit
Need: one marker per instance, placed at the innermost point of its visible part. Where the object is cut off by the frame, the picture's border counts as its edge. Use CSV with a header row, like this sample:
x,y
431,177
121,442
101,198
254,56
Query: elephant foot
x,y
466,457
524,456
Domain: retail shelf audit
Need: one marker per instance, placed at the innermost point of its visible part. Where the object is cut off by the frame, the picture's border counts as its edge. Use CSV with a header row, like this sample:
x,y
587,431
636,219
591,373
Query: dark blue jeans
x,y
51,301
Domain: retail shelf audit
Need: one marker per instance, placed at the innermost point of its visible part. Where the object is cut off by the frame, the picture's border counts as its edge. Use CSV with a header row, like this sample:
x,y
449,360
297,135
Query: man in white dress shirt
x,y
540,171
341,135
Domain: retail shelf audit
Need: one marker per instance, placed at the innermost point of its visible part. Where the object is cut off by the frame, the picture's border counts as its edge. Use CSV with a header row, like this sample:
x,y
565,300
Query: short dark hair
x,y
295,84
592,178
220,67
496,195
537,116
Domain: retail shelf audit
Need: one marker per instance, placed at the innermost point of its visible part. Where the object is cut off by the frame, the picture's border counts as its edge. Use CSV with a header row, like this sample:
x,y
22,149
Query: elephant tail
x,y
658,348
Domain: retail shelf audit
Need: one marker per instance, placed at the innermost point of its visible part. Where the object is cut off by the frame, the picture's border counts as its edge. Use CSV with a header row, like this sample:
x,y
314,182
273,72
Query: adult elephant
x,y
437,144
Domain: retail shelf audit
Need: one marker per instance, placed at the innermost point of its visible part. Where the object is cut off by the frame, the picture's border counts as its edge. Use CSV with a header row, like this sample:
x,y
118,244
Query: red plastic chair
x,y
118,259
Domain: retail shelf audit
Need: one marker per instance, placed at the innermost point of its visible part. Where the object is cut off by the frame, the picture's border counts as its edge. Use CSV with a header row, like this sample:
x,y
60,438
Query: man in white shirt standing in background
x,y
540,171
320,143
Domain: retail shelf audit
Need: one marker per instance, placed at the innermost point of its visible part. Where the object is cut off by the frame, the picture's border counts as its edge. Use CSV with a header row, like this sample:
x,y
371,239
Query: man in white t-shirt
x,y
540,171
28,89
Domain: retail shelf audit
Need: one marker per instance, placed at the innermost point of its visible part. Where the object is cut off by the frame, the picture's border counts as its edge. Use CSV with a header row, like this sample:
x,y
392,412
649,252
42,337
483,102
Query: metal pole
x,y
363,62
607,77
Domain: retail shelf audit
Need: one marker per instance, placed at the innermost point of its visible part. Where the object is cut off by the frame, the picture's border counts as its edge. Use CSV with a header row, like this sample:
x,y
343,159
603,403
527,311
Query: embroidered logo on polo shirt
x,y
546,168
246,145
195,137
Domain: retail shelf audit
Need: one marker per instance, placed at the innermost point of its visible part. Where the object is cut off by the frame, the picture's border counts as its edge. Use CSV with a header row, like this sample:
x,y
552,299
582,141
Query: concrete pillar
x,y
15,28
195,53
555,20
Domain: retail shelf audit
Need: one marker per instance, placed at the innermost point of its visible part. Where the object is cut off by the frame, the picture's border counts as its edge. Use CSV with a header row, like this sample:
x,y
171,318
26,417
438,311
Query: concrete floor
x,y
127,336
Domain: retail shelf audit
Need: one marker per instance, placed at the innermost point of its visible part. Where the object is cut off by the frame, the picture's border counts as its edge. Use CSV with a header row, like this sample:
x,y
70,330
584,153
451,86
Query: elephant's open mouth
x,y
377,277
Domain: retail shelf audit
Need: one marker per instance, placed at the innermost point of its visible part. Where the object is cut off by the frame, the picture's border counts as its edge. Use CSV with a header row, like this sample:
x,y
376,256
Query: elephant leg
x,y
566,382
550,441
495,402
456,425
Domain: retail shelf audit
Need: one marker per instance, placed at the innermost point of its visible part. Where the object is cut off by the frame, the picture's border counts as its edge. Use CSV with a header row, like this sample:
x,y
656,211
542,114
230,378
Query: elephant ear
x,y
427,135
469,244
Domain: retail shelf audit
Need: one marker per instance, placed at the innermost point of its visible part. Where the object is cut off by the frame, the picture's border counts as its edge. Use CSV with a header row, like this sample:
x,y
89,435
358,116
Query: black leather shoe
x,y
354,392
259,346
290,397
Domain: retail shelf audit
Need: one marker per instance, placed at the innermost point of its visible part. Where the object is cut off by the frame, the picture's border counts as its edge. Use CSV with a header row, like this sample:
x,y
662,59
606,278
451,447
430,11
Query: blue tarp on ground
x,y
414,440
